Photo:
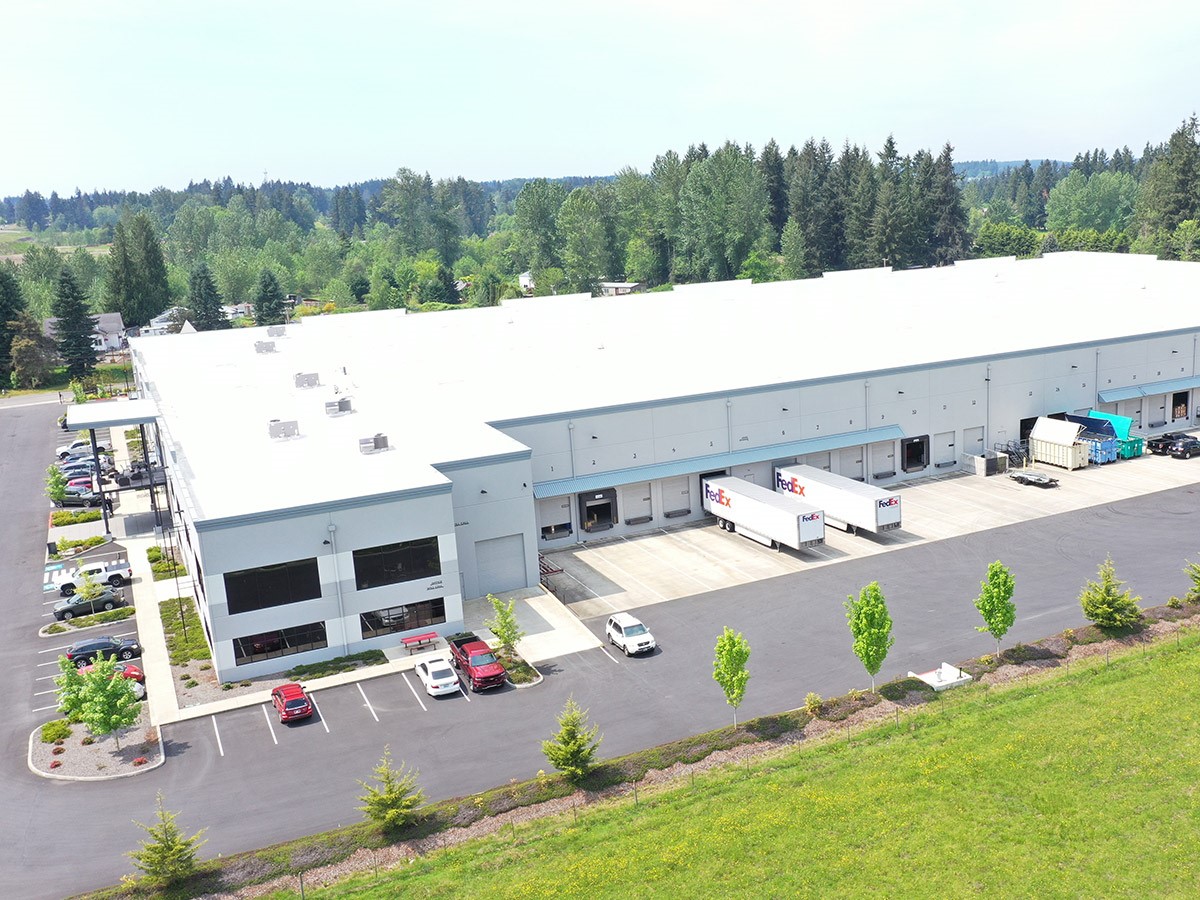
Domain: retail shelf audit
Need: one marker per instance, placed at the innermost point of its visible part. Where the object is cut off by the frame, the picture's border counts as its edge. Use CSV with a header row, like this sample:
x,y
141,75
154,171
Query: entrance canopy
x,y
111,413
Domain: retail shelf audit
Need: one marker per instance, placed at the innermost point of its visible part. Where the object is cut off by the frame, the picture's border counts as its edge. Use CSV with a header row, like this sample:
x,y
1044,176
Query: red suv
x,y
291,702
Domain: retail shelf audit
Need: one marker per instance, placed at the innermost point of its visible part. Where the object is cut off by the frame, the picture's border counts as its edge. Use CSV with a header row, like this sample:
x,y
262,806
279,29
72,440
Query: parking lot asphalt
x,y
252,781
626,573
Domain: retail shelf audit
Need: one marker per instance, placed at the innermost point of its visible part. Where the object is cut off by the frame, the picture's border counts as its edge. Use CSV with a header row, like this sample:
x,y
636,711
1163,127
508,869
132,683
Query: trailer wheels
x,y
721,523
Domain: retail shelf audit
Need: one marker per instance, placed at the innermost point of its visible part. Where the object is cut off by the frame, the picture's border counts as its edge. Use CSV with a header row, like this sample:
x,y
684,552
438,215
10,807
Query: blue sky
x,y
133,94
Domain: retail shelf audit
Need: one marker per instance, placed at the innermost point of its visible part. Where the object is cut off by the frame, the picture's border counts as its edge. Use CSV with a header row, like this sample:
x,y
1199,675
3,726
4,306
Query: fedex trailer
x,y
848,504
762,515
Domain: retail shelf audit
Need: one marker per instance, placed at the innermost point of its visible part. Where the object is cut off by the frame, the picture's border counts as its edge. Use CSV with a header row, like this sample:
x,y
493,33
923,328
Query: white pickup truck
x,y
114,572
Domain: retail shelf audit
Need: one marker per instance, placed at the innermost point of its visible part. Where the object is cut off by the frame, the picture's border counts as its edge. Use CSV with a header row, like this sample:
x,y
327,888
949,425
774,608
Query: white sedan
x,y
437,676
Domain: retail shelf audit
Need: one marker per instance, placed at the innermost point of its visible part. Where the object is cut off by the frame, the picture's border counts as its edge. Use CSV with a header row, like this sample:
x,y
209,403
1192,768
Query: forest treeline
x,y
697,216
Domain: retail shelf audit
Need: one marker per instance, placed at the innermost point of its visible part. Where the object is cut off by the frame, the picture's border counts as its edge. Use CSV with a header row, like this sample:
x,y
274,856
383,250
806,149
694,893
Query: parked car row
x,y
1178,444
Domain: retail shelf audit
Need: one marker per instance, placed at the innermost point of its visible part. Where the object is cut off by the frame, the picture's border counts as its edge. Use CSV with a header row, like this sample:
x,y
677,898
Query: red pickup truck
x,y
476,661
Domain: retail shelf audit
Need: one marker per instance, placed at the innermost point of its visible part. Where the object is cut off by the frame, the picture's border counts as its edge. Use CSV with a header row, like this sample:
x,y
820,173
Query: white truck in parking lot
x,y
848,504
114,572
761,514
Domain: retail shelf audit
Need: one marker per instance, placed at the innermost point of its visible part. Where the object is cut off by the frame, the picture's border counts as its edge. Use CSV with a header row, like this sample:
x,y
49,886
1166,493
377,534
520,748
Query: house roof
x,y
106,323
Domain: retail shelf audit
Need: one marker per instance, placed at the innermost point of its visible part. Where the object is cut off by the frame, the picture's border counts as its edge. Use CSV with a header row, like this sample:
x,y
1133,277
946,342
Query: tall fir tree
x,y
770,164
950,222
1170,193
12,304
268,301
205,301
136,281
73,327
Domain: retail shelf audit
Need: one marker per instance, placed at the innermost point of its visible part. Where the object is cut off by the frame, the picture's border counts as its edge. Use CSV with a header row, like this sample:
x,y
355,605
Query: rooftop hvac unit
x,y
280,429
264,346
373,444
337,407
276,331
307,379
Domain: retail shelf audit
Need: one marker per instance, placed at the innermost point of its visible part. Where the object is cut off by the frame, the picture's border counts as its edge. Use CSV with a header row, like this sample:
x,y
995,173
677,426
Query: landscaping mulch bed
x,y
101,758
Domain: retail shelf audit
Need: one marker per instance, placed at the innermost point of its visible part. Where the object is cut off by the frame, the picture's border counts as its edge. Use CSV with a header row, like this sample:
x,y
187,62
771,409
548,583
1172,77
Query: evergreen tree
x,y
918,209
770,164
268,301
136,283
573,747
723,210
169,856
74,327
887,232
393,804
1104,602
795,253
1170,193
860,248
205,301
12,304
950,219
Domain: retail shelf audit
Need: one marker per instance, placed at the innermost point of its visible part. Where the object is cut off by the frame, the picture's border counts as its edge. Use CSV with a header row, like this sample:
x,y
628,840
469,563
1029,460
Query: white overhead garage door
x,y
500,563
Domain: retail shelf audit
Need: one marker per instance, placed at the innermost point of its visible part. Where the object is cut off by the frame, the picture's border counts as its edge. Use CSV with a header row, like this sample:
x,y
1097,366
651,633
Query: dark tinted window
x,y
395,563
276,585
403,618
283,642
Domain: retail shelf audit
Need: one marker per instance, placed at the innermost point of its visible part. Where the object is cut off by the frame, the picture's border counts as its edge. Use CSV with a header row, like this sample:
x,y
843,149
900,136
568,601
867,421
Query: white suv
x,y
629,634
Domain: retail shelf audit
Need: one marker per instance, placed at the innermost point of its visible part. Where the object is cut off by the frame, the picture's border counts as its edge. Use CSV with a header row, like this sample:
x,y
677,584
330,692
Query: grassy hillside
x,y
1079,784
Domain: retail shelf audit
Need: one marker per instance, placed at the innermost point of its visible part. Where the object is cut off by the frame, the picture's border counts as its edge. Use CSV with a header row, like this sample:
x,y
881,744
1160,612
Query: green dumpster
x,y
1133,446
1129,445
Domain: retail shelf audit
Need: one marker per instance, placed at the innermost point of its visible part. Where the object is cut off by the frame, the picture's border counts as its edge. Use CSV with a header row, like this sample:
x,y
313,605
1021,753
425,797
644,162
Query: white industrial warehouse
x,y
343,481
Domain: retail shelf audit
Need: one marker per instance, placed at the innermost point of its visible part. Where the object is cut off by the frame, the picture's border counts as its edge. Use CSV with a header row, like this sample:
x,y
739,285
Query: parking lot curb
x,y
71,629
540,679
54,776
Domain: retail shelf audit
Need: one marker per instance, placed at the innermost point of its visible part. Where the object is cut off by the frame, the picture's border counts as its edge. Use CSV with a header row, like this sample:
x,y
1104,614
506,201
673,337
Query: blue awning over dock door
x,y
590,482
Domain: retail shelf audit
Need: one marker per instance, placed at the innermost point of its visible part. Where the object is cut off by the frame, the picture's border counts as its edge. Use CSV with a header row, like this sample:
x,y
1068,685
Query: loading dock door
x,y
1133,409
850,462
973,440
635,503
816,460
500,563
676,496
944,455
883,459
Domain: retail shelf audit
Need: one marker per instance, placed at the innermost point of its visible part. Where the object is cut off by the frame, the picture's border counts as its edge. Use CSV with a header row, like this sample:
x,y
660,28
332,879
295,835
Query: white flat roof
x,y
431,381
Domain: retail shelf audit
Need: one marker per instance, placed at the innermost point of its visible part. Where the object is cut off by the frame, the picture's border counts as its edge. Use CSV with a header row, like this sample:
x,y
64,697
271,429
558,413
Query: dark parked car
x,y
79,496
75,605
83,652
1185,448
1161,443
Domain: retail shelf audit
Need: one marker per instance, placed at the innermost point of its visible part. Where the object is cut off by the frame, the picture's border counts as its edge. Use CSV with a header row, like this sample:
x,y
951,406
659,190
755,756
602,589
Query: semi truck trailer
x,y
762,515
848,504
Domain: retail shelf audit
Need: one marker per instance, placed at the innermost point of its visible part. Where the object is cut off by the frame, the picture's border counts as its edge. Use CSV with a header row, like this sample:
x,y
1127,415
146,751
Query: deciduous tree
x,y
732,653
32,353
503,623
995,602
12,304
871,627
101,702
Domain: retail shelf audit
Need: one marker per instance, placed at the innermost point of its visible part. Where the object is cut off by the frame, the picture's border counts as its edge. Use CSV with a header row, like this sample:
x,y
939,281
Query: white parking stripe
x,y
42,693
44,708
609,655
368,702
218,734
319,713
270,727
414,690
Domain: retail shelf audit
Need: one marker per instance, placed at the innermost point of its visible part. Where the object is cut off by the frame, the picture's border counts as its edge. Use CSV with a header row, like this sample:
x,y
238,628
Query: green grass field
x,y
1083,784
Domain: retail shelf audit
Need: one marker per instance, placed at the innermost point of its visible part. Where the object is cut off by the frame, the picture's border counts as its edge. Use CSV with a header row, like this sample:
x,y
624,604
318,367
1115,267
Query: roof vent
x,y
276,330
338,407
281,429
307,379
373,444
264,346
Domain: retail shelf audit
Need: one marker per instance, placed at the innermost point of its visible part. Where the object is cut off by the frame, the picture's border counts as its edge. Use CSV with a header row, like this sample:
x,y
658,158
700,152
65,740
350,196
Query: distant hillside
x,y
982,168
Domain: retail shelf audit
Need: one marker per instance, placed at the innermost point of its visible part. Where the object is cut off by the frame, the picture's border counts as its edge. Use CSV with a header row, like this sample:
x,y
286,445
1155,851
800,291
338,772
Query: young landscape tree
x,y
74,327
56,484
101,702
268,301
1105,604
729,667
392,803
504,624
995,602
170,855
1192,570
871,627
572,748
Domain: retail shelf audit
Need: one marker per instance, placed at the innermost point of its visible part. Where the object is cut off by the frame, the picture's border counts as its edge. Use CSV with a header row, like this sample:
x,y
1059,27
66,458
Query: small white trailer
x,y
761,514
848,504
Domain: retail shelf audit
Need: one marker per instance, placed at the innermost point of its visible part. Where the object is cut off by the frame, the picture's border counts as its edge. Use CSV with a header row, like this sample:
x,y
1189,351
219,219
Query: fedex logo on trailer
x,y
791,485
718,496
811,517
889,502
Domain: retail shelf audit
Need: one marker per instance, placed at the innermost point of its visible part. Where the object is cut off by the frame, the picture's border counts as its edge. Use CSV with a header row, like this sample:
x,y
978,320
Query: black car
x,y
75,605
1185,448
83,652
1161,443
81,496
